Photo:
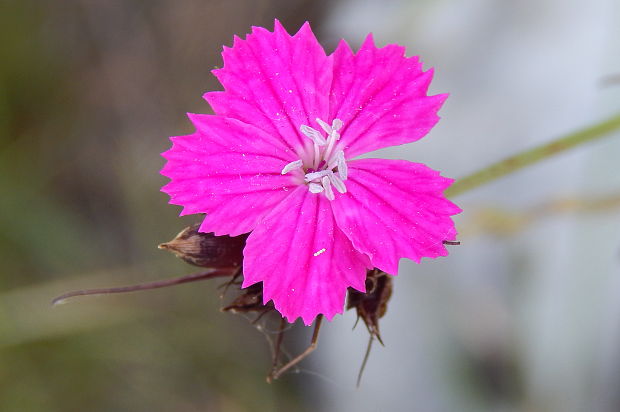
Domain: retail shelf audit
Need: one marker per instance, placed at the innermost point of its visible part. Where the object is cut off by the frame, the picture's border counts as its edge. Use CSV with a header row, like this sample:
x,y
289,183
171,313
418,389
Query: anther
x,y
324,126
343,169
316,175
313,134
315,187
338,184
297,164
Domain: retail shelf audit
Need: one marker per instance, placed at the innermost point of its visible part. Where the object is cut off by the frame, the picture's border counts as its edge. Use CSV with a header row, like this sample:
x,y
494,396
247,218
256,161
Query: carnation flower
x,y
278,161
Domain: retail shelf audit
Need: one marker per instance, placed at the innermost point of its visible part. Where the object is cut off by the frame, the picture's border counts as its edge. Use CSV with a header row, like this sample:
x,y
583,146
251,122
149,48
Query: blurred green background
x,y
89,92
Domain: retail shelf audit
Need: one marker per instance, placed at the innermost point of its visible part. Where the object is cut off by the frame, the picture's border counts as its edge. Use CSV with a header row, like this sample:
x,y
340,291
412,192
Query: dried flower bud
x,y
206,249
372,305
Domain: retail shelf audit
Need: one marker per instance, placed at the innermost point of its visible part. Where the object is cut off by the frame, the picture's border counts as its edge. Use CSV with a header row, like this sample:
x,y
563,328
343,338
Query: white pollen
x,y
318,252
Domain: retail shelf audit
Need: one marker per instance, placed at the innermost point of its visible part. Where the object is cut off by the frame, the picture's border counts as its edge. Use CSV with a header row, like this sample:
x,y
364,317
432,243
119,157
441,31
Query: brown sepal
x,y
206,249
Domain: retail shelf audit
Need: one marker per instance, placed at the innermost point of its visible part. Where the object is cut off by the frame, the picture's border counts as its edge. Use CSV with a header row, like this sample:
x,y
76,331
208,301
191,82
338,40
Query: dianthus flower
x,y
278,160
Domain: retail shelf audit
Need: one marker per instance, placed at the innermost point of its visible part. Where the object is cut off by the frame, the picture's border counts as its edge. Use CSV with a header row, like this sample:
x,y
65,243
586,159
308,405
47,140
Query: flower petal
x,y
380,95
275,81
304,261
229,170
395,209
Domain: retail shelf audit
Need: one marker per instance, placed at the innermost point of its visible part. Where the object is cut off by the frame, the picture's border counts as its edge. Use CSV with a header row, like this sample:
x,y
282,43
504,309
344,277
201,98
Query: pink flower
x,y
277,160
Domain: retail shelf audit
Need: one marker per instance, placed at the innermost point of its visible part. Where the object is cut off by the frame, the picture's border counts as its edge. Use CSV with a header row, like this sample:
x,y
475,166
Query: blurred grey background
x,y
523,316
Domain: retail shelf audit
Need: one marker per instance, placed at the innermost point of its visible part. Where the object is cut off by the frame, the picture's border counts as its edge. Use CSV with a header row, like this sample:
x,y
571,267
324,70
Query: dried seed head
x,y
206,249
372,305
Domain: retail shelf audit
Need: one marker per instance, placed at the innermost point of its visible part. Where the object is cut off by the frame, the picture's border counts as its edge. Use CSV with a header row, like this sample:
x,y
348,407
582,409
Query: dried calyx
x,y
206,249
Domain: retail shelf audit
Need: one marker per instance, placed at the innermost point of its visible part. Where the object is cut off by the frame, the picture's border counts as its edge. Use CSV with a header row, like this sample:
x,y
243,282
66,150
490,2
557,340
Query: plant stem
x,y
209,274
534,155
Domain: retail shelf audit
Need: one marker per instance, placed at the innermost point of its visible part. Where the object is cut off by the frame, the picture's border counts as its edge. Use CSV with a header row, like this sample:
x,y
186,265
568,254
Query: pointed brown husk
x,y
206,249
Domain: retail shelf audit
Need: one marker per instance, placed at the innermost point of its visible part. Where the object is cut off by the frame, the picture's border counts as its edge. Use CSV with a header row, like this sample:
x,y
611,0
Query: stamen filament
x,y
317,157
331,140
329,193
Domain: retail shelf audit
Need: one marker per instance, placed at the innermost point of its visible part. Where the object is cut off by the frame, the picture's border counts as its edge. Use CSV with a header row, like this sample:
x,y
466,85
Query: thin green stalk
x,y
534,155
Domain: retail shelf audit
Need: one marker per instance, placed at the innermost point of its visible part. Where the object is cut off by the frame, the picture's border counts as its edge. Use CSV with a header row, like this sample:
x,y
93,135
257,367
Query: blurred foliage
x,y
89,92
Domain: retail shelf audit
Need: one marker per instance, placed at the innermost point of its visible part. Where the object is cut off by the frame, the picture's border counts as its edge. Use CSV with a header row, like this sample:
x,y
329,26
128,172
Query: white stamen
x,y
324,159
315,187
316,175
327,154
338,184
292,166
317,156
324,126
343,169
313,134
329,193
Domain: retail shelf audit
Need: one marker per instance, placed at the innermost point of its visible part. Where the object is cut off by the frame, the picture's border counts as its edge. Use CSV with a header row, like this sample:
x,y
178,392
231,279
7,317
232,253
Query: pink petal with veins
x,y
275,81
230,171
303,259
380,95
395,209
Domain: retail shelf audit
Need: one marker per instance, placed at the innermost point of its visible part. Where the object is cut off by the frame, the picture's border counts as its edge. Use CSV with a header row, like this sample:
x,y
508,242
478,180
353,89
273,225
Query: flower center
x,y
326,166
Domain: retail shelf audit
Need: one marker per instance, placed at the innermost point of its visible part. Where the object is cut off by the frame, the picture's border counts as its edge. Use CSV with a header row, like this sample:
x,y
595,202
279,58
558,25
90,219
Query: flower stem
x,y
209,274
534,155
